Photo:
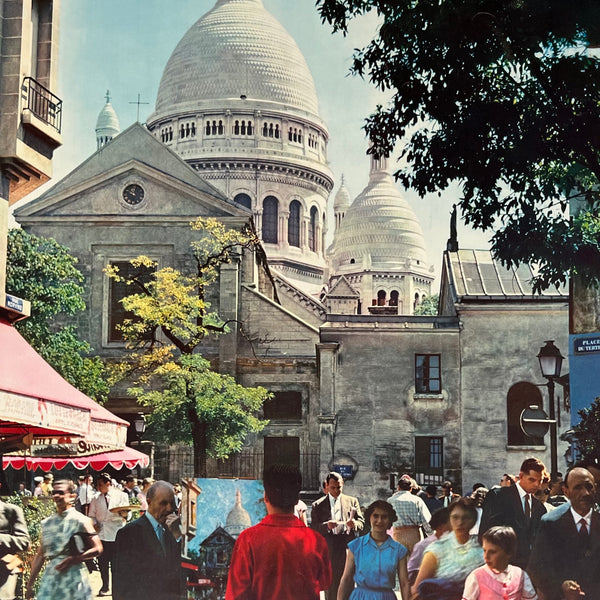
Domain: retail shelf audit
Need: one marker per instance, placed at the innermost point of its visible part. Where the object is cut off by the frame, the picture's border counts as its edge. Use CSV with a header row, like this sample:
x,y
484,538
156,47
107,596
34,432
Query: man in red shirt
x,y
280,557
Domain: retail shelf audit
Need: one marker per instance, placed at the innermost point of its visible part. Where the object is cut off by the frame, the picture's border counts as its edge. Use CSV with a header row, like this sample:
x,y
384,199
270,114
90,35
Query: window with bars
x,y
428,378
429,459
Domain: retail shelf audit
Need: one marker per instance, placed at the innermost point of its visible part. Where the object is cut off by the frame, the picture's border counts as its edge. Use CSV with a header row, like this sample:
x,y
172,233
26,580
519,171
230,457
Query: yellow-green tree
x,y
171,317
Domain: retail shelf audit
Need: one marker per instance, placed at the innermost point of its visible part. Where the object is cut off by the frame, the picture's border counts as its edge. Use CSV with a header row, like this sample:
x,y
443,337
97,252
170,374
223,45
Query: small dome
x,y
107,119
380,230
107,125
238,518
342,198
237,49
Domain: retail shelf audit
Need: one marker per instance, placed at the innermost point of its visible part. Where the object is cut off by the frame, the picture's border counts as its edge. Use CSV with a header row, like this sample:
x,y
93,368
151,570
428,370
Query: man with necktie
x,y
566,552
517,507
338,519
148,554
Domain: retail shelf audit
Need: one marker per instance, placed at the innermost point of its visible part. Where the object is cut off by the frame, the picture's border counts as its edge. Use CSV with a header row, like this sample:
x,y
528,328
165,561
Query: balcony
x,y
42,103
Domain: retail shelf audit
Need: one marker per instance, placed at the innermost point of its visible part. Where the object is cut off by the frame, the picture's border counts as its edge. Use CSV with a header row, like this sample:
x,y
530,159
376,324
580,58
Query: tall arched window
x,y
269,219
394,298
312,229
244,200
294,224
520,396
381,296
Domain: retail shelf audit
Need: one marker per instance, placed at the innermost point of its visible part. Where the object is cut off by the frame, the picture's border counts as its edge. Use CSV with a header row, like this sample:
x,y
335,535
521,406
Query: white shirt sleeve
x,y
471,591
528,592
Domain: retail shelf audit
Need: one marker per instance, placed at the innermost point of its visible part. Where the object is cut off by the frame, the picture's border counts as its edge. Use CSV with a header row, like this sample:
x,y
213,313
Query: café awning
x,y
128,457
34,398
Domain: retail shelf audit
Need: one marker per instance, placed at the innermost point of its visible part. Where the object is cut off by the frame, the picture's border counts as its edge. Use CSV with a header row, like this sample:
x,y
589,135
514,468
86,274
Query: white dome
x,y
380,231
342,197
108,122
236,49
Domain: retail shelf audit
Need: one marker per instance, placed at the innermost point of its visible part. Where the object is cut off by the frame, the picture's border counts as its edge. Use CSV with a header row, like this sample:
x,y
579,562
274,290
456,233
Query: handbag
x,y
80,542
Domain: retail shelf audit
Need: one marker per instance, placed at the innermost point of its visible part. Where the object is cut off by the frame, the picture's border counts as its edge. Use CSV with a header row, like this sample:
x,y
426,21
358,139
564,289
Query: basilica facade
x,y
359,383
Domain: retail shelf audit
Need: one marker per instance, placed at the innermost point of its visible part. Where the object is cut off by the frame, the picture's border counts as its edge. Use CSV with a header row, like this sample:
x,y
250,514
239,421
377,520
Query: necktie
x,y
583,532
527,506
160,531
106,500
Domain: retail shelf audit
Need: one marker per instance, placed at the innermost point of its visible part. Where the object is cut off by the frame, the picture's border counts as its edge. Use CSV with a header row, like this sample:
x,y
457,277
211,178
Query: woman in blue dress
x,y
374,560
65,575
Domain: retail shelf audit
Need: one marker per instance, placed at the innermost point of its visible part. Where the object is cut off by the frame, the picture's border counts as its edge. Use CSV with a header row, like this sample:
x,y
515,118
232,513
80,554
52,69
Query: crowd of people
x,y
530,537
92,527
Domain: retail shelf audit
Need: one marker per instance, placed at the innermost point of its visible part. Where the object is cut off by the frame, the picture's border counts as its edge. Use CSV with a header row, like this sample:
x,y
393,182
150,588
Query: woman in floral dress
x,y
65,576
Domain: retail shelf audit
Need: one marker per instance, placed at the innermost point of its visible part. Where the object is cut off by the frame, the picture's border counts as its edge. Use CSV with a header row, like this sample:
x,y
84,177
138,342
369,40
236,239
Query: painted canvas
x,y
224,508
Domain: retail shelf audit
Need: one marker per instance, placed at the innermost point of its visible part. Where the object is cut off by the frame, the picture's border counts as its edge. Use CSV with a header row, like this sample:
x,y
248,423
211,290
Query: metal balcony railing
x,y
43,103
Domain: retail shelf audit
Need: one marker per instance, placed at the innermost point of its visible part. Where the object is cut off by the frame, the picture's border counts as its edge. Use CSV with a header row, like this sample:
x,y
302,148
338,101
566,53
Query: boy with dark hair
x,y
280,557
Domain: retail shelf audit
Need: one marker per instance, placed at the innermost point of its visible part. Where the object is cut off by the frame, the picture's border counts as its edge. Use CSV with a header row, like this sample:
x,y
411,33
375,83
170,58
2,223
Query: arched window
x,y
249,127
294,224
193,129
236,128
214,128
244,200
271,130
276,132
243,128
269,220
520,396
207,128
312,229
394,298
265,130
221,130
381,296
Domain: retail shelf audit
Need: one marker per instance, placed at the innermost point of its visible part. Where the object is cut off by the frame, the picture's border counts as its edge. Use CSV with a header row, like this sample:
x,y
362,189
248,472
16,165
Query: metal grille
x,y
43,103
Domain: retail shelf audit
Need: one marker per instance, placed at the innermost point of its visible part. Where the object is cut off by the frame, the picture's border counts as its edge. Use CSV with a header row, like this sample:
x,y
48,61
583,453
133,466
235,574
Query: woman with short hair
x,y
373,561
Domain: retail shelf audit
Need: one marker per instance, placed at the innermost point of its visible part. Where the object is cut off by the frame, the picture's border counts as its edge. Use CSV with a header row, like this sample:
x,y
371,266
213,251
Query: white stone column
x,y
326,360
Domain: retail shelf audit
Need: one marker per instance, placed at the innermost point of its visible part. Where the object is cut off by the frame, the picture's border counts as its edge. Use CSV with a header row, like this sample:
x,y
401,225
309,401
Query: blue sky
x,y
123,46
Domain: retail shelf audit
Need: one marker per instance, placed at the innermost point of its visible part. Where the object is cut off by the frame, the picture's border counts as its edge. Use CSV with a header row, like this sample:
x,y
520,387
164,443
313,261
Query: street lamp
x,y
139,424
550,364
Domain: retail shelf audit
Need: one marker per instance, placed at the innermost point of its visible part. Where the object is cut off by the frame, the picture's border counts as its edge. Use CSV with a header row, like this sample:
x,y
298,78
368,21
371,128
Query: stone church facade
x,y
360,384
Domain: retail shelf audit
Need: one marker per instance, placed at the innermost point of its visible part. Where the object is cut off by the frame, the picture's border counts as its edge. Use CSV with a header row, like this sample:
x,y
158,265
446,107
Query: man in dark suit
x,y
448,497
566,553
147,554
517,507
338,519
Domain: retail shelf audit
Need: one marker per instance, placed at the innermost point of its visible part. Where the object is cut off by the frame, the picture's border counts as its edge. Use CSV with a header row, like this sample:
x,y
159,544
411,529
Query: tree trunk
x,y
199,444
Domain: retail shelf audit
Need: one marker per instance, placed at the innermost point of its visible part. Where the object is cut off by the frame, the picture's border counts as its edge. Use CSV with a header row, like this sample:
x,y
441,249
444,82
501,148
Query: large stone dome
x,y
380,231
236,49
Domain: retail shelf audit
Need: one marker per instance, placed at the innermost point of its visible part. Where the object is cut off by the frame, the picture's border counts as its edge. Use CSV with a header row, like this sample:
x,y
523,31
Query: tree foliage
x,y
429,306
172,316
503,97
587,431
42,271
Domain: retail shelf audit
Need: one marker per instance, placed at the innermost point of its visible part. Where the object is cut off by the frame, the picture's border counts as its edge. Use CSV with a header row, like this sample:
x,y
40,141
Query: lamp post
x,y
139,424
550,364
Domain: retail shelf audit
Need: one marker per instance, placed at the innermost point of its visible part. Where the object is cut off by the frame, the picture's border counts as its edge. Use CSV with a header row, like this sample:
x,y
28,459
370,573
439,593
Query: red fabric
x,y
128,457
279,558
24,372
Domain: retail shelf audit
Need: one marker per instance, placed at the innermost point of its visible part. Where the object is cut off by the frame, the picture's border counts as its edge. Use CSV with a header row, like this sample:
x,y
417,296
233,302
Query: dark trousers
x,y
105,561
337,545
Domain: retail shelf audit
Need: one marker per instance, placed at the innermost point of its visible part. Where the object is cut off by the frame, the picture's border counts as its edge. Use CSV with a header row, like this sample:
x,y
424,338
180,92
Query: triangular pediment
x,y
342,289
98,187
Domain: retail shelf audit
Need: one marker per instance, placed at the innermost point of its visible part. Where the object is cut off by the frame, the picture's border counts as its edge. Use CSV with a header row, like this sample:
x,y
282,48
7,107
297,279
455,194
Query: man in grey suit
x,y
338,519
566,552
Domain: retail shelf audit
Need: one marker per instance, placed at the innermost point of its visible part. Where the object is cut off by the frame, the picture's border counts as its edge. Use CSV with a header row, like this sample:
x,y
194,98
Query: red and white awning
x,y
34,398
128,457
